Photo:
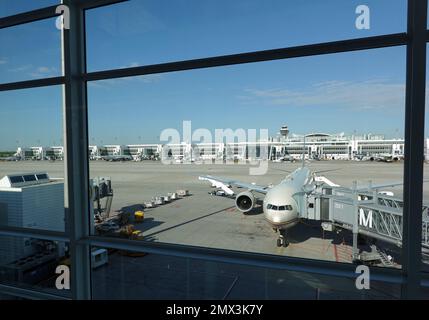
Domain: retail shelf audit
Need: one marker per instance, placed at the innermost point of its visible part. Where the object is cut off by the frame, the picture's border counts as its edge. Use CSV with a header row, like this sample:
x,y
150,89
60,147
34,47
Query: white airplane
x,y
280,202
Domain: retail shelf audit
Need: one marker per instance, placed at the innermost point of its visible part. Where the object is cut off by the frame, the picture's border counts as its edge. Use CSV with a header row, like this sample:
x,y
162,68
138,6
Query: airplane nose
x,y
279,217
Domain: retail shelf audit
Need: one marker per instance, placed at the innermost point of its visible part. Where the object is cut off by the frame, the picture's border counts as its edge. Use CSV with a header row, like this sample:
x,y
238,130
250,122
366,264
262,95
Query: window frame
x,y
76,183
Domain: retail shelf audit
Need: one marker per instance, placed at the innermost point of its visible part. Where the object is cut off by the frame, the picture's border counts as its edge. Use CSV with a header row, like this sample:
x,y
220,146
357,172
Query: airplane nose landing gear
x,y
282,241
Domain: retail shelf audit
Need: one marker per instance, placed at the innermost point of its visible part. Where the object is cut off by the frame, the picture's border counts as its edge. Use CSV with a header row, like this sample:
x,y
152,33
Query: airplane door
x,y
311,208
324,209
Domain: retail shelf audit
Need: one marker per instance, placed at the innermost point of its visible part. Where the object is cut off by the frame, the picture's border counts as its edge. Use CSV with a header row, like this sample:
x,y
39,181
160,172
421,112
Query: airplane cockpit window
x,y
287,207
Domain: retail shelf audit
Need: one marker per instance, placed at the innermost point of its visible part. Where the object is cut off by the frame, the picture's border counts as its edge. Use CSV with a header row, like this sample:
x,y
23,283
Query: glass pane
x,y
31,154
151,276
34,264
30,51
151,31
349,106
12,7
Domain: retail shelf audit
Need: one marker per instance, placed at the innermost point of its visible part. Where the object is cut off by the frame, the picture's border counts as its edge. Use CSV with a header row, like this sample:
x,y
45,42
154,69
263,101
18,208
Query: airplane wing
x,y
225,184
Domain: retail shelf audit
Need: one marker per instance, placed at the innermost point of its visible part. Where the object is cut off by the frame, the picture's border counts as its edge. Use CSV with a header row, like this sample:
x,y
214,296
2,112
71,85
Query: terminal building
x,y
33,201
322,146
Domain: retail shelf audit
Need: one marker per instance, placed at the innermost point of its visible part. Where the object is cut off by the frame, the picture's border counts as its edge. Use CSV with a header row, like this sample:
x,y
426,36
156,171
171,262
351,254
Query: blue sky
x,y
358,91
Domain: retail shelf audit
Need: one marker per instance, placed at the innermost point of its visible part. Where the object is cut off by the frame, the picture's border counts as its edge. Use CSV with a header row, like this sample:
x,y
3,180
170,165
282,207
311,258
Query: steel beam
x,y
76,150
414,147
257,56
29,293
93,4
33,233
27,17
245,258
27,84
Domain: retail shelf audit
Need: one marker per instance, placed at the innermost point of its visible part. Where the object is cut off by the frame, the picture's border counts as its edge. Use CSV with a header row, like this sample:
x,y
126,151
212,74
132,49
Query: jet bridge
x,y
370,213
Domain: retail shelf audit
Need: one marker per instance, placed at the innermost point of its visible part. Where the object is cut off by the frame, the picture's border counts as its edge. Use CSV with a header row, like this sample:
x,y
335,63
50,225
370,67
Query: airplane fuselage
x,y
280,207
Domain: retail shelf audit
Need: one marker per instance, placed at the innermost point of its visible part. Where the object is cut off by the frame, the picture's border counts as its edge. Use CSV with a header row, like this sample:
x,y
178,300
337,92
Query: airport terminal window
x,y
143,202
151,31
30,51
165,194
153,276
31,180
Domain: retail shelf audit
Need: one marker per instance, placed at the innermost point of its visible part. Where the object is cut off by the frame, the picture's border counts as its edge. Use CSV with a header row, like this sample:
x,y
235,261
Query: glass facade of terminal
x,y
142,144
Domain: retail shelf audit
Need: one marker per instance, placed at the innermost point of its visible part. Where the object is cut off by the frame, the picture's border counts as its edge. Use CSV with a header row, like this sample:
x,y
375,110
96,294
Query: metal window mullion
x,y
28,84
414,147
384,41
245,258
76,150
33,233
25,293
49,12
93,4
27,17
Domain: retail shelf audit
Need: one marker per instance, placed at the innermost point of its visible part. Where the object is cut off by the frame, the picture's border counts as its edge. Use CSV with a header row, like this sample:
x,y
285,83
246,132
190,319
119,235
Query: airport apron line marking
x,y
186,222
335,252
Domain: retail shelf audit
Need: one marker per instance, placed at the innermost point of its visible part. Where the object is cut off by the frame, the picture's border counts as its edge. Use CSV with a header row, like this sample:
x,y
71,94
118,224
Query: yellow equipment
x,y
138,216
136,235
127,230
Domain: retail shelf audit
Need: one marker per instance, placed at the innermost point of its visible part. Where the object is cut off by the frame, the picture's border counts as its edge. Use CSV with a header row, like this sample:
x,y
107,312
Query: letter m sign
x,y
365,221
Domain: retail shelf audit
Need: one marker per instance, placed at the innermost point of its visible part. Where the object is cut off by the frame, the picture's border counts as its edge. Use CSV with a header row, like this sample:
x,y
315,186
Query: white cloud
x,y
361,95
44,72
43,69
131,65
35,72
21,68
3,60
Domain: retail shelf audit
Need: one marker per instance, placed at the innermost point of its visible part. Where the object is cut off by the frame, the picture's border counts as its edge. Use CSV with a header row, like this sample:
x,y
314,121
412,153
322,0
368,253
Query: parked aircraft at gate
x,y
280,202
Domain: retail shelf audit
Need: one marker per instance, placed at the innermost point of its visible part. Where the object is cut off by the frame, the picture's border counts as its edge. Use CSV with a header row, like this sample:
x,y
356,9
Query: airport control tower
x,y
284,131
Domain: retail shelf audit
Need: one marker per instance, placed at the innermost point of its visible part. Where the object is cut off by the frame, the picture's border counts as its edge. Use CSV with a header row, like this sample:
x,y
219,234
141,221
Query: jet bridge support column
x,y
355,251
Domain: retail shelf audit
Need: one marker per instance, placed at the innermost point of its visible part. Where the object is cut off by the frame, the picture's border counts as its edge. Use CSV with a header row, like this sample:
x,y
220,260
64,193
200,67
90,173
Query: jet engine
x,y
245,201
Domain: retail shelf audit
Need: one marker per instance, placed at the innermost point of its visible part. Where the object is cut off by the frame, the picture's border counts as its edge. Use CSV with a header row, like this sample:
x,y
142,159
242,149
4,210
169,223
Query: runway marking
x,y
335,252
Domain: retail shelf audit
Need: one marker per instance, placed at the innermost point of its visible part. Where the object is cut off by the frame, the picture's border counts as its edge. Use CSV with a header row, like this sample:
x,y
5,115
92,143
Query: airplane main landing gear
x,y
282,241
